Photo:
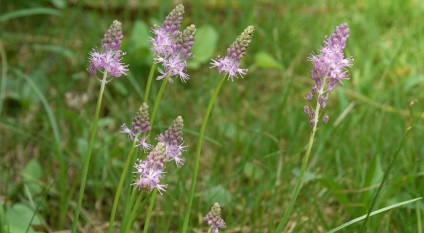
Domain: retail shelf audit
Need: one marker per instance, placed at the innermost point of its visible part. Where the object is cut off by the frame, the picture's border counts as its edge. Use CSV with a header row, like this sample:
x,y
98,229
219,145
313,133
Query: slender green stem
x,y
299,182
121,185
149,212
198,150
149,82
386,175
128,208
419,218
3,75
129,202
152,119
157,100
88,156
133,213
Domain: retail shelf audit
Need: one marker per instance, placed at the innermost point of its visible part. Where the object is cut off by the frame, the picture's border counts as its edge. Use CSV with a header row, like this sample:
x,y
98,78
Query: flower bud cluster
x,y
213,218
139,124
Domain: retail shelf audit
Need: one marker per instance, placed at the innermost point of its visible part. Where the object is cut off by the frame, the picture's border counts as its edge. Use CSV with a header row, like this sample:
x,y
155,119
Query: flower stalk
x,y
329,69
230,67
198,150
109,63
120,186
88,155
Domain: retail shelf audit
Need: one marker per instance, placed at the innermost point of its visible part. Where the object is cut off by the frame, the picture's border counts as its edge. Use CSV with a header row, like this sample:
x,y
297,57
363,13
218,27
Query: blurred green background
x,y
257,133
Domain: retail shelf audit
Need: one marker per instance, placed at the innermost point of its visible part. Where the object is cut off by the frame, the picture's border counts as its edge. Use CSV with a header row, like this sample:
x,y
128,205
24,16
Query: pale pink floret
x,y
174,153
125,129
228,65
143,143
174,66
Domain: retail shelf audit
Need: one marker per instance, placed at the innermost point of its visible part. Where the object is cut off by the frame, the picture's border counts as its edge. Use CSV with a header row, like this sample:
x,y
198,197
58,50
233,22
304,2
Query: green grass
x,y
257,133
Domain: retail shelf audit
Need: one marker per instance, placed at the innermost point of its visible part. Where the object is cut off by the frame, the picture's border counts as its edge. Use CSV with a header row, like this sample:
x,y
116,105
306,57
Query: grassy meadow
x,y
257,134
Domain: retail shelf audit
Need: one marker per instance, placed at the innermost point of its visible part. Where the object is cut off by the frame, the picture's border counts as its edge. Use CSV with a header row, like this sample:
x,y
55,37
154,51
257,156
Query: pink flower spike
x,y
109,60
329,70
230,64
172,47
149,173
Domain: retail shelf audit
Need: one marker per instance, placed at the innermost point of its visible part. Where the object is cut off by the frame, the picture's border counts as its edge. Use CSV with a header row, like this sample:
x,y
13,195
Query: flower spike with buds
x,y
149,172
165,35
214,220
173,138
172,48
139,124
230,64
109,61
175,63
329,69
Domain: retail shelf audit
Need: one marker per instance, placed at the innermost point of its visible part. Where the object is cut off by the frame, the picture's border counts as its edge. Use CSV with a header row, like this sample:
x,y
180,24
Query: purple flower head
x,y
230,64
173,139
149,173
172,48
330,65
213,218
175,62
329,68
109,61
165,35
139,124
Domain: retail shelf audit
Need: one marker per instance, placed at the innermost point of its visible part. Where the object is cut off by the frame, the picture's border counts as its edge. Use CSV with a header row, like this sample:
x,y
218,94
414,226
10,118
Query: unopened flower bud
x,y
325,119
308,96
306,110
213,218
